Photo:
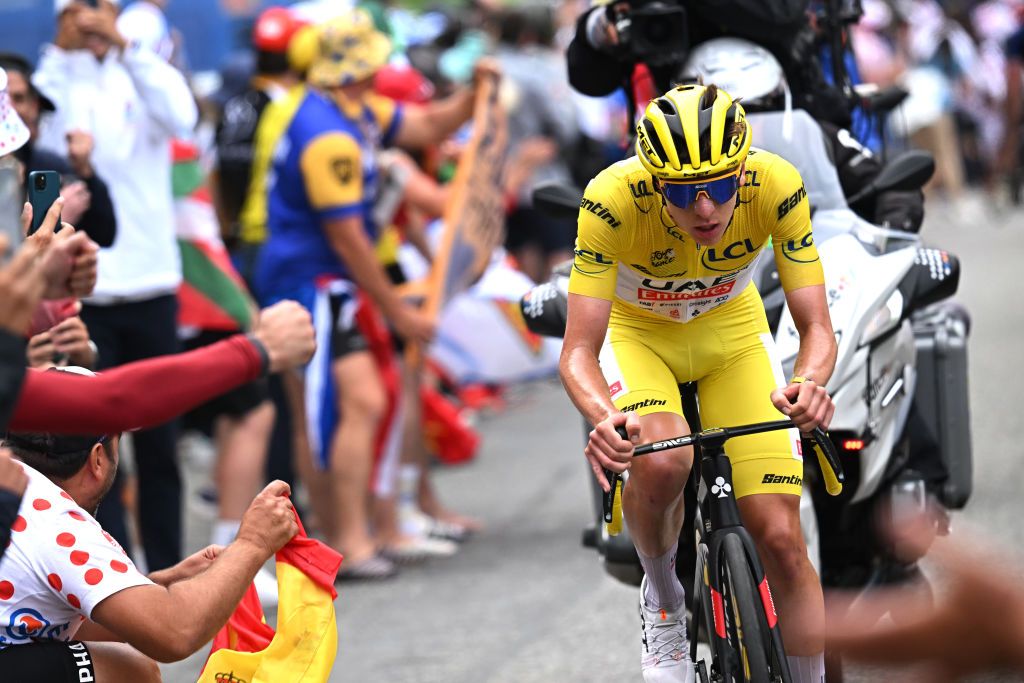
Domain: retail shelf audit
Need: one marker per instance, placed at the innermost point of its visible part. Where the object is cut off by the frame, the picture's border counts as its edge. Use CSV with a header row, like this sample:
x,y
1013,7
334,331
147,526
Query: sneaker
x,y
266,587
664,653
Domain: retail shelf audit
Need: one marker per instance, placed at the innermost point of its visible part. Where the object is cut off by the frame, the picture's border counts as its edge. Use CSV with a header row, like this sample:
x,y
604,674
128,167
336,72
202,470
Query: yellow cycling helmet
x,y
688,134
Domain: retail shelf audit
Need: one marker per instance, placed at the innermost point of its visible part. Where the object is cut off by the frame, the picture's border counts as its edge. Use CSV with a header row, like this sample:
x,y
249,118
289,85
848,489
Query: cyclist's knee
x,y
783,548
661,478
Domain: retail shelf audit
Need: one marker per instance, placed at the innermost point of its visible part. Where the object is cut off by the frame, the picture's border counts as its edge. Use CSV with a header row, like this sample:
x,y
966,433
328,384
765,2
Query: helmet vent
x,y
652,137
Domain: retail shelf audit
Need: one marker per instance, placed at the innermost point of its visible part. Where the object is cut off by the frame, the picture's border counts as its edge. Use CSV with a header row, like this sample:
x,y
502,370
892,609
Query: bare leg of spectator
x,y
122,662
361,404
317,486
242,453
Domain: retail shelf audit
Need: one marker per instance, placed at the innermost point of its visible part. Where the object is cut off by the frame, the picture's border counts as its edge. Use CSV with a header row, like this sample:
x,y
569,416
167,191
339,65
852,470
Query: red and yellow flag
x,y
248,650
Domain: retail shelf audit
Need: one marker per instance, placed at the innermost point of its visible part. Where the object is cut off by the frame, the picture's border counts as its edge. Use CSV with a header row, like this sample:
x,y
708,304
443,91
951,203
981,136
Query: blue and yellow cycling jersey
x,y
324,168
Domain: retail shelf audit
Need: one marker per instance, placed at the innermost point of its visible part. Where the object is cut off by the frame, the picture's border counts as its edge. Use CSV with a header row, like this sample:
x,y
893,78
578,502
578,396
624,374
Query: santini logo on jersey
x,y
779,479
791,202
643,404
599,210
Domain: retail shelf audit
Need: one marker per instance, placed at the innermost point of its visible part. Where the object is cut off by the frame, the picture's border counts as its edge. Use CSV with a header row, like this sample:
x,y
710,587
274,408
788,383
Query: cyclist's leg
x,y
767,475
652,502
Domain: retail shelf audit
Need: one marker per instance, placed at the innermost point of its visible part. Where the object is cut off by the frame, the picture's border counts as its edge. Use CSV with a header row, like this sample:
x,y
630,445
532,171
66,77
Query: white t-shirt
x,y
59,565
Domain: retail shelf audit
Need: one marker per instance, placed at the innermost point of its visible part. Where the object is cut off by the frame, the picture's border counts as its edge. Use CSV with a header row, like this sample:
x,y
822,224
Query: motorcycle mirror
x,y
557,200
909,171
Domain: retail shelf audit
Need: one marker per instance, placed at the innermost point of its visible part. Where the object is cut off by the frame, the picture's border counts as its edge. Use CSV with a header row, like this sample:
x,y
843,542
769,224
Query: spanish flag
x,y
247,650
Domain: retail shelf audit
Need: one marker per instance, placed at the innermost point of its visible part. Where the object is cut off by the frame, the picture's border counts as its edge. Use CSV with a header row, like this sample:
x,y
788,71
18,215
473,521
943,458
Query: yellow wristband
x,y
797,379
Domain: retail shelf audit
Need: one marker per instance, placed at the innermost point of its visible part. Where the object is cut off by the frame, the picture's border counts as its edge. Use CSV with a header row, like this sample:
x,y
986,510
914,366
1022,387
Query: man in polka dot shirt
x,y
65,583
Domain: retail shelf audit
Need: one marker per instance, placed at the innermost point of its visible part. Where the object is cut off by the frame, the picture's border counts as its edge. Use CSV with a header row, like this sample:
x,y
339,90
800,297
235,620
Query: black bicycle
x,y
732,600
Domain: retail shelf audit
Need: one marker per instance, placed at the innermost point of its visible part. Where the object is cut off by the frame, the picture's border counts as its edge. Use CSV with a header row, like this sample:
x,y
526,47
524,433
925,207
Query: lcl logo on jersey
x,y
591,262
801,250
723,259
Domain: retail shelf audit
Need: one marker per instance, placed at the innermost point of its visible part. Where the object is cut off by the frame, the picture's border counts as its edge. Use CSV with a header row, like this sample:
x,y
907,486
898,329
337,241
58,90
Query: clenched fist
x,y
270,521
286,332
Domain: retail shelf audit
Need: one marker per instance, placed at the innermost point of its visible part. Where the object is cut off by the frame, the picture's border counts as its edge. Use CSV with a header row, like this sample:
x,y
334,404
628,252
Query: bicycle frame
x,y
716,517
716,503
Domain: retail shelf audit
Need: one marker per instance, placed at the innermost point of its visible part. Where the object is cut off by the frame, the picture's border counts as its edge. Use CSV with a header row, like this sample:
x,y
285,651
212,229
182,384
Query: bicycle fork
x,y
718,516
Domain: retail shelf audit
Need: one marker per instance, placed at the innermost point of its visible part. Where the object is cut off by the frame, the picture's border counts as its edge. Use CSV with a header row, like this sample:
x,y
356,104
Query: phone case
x,y
43,190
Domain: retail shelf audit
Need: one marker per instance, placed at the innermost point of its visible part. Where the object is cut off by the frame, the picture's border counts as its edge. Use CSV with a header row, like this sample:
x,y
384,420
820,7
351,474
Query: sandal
x,y
375,568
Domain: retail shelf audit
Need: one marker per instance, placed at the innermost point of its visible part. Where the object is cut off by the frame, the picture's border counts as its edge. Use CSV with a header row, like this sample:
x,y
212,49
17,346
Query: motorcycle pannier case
x,y
943,401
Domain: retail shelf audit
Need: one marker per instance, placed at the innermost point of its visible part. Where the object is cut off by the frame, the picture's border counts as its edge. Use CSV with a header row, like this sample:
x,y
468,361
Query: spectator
x,y
236,130
87,203
542,134
64,343
12,487
146,22
973,629
1008,160
133,103
320,249
64,578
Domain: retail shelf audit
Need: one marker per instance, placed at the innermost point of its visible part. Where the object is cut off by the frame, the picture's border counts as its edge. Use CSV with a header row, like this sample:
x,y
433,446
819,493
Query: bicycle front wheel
x,y
747,628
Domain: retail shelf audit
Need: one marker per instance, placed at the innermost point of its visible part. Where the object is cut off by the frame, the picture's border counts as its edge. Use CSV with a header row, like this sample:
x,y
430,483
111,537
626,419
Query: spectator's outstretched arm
x,y
153,391
201,604
433,122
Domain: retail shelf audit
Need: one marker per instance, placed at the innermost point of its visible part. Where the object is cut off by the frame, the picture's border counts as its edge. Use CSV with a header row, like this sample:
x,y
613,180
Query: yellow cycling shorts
x,y
731,355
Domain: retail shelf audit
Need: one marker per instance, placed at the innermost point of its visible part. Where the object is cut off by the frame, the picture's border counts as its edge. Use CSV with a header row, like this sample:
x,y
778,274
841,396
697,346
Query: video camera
x,y
651,31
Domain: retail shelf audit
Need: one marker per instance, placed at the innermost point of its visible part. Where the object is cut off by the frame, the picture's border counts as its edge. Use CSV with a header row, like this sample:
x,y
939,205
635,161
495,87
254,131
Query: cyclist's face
x,y
705,220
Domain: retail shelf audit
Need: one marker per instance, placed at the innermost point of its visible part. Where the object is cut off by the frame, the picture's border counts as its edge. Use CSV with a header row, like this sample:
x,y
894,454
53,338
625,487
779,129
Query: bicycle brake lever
x,y
608,497
828,461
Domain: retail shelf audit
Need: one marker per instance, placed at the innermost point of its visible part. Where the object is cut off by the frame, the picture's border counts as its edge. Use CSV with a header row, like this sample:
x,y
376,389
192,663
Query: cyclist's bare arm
x,y
815,360
578,366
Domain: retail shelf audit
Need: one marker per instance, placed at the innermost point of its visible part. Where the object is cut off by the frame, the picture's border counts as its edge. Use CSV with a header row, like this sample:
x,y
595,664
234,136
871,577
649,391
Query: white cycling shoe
x,y
664,652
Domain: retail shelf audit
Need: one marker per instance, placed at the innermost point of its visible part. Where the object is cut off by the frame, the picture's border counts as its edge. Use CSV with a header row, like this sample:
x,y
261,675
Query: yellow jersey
x,y
630,251
274,121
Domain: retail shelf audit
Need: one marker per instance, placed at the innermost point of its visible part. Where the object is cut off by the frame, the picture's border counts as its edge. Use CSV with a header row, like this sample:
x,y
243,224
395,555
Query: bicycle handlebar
x,y
828,458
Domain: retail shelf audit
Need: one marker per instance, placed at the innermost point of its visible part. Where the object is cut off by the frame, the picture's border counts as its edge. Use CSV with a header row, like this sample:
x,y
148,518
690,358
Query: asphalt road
x,y
523,602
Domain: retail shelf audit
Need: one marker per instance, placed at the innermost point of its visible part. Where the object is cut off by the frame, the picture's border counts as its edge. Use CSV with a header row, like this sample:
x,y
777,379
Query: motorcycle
x,y
900,382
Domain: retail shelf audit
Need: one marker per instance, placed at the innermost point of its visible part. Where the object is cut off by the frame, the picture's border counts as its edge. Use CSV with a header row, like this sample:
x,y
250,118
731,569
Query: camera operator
x,y
613,40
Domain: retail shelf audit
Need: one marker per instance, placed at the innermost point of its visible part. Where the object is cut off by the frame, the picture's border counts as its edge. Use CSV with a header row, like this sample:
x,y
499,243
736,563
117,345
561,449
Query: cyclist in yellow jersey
x,y
661,293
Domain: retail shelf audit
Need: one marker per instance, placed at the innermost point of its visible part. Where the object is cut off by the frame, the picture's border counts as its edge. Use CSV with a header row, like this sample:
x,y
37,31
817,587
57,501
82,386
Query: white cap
x,y
60,5
13,132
